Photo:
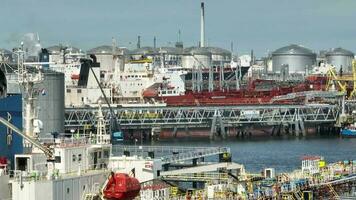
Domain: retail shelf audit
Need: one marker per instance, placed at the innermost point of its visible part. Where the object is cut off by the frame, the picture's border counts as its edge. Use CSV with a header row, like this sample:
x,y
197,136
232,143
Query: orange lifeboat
x,y
121,186
150,93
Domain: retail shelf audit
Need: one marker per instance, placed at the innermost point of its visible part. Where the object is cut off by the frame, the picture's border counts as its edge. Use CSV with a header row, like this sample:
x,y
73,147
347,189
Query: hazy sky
x,y
262,25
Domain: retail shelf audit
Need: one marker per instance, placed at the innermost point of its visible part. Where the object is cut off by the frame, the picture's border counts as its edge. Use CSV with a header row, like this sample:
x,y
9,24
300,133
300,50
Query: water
x,y
283,154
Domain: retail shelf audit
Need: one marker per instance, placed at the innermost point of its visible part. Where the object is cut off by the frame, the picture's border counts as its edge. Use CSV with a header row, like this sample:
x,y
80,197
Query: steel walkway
x,y
205,168
199,116
336,182
171,154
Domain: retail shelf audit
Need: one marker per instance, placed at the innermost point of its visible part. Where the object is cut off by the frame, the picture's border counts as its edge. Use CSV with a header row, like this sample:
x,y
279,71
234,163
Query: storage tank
x,y
51,102
219,55
296,57
340,58
143,52
196,56
172,55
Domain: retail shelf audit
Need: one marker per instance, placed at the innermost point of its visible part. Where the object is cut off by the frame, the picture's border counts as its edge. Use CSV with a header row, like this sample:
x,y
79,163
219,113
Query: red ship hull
x,y
258,92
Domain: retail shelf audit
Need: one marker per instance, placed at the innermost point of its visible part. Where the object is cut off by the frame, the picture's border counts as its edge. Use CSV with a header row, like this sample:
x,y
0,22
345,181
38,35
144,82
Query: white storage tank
x,y
143,52
172,55
196,56
340,58
297,58
219,55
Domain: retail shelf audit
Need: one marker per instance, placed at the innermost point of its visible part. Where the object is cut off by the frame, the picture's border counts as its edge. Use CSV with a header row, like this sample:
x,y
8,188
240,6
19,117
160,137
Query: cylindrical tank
x,y
51,102
340,58
172,55
219,55
143,52
196,56
297,58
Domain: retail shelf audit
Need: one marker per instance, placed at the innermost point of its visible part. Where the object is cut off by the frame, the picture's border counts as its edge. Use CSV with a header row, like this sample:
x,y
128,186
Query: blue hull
x,y
348,133
11,143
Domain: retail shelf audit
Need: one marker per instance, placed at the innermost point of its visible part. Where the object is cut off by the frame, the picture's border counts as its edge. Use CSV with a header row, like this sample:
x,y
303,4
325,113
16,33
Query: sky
x,y
261,25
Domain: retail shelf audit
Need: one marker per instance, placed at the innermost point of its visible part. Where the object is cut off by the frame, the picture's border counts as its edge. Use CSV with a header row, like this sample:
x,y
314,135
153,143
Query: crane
x,y
331,74
353,92
47,151
342,81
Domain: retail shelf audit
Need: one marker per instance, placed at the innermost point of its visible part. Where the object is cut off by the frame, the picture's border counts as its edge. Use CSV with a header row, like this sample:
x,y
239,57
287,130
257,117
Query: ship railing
x,y
64,142
194,154
38,175
205,177
157,149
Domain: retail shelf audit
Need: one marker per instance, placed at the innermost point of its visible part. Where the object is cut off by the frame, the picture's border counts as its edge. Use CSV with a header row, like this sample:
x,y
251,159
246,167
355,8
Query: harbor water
x,y
283,154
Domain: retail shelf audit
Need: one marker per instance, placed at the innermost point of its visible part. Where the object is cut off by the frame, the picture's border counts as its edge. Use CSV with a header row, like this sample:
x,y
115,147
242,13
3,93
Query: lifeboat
x,y
150,93
74,76
121,186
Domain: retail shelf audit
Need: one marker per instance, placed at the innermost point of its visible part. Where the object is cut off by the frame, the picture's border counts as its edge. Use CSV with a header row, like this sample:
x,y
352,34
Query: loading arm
x,y
48,152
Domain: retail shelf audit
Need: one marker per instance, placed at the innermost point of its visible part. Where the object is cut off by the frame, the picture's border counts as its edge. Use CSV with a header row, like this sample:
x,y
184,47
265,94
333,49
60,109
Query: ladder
x,y
334,194
298,195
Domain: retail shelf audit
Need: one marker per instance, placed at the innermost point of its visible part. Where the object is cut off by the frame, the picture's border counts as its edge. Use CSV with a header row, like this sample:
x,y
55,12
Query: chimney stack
x,y
202,26
138,42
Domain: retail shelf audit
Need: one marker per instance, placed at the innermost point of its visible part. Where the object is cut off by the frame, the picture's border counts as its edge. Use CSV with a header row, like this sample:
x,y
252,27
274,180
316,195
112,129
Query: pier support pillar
x,y
296,128
273,130
302,128
175,130
222,128
213,128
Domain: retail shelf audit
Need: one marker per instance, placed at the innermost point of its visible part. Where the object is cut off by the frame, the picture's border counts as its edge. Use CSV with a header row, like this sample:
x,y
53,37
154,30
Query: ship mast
x,y
27,82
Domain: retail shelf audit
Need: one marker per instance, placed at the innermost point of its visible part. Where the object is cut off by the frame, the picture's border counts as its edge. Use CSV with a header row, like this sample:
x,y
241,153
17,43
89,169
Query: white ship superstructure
x,y
59,167
66,60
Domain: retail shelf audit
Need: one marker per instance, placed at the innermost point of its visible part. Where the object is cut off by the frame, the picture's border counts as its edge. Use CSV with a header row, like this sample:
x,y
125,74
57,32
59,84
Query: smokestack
x,y
202,26
138,42
154,42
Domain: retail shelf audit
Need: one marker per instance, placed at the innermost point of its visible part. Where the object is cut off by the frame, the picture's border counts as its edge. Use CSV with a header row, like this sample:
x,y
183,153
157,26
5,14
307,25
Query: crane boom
x,y
33,141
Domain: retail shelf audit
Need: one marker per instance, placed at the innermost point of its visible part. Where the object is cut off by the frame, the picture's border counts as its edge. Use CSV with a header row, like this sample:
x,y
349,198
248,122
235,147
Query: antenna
x,y
179,34
114,44
154,42
179,43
